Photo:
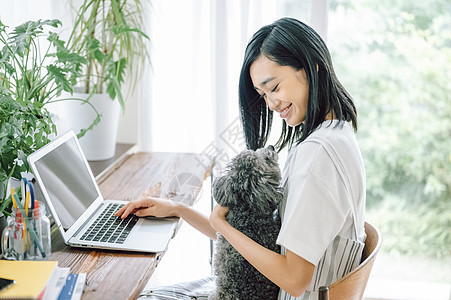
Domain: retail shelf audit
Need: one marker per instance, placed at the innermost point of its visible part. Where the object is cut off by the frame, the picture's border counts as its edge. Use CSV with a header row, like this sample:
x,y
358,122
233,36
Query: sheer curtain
x,y
191,94
175,113
233,23
16,12
188,100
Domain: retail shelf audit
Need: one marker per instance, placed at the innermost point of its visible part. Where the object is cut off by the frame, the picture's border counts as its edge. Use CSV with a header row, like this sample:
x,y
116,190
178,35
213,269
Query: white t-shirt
x,y
315,208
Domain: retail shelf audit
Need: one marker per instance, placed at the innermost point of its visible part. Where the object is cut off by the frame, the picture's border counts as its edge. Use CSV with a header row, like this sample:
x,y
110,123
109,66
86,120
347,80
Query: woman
x,y
288,69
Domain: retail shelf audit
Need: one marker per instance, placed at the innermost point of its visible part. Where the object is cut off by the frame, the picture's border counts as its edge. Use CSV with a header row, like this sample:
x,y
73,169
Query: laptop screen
x,y
67,181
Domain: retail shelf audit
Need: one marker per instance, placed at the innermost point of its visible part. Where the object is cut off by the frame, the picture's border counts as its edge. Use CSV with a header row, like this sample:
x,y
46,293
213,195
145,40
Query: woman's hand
x,y
218,217
149,206
290,272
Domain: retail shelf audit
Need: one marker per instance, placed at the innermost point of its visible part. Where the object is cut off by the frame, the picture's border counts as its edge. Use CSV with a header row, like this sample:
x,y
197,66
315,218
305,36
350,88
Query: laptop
x,y
83,217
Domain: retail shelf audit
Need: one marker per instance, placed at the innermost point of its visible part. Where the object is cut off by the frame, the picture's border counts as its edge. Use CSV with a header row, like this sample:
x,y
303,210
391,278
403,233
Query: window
x,y
394,58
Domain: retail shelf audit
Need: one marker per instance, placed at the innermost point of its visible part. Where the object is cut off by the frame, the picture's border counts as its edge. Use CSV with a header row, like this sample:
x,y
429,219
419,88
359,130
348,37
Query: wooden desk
x,y
123,275
98,166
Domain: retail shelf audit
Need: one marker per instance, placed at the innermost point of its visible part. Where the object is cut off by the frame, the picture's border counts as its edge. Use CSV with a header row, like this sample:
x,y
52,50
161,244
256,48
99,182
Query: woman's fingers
x,y
149,207
218,216
130,208
121,210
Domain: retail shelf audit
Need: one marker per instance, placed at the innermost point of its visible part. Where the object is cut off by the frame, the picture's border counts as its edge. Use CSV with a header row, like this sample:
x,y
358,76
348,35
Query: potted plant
x,y
30,79
109,33
23,129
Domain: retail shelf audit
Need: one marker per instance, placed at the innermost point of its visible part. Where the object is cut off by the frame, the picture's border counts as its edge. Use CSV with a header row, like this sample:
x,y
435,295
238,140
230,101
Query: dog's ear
x,y
269,154
266,197
222,191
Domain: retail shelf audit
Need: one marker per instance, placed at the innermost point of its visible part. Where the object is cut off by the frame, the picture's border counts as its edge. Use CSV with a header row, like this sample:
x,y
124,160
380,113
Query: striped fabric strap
x,y
198,289
339,259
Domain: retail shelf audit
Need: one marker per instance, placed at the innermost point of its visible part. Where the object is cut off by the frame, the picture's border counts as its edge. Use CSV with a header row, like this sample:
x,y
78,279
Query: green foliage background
x,y
394,57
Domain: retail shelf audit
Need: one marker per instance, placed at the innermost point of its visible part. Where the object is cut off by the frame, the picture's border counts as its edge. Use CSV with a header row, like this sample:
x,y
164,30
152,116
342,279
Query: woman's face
x,y
284,89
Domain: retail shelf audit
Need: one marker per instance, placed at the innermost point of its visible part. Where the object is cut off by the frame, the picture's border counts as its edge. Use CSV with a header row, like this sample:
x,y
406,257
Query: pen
x,y
23,190
23,186
19,228
14,200
36,206
15,210
26,216
36,217
31,190
27,200
27,204
32,232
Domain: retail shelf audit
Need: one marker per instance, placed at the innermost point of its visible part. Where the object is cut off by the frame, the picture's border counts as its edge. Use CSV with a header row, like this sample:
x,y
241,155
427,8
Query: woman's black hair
x,y
290,42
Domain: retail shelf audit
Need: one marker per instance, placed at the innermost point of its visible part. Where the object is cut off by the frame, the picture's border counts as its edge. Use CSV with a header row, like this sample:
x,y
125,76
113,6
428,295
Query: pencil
x,y
14,199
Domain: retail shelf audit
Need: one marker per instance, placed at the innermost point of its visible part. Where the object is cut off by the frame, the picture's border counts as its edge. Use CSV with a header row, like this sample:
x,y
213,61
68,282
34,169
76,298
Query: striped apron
x,y
342,255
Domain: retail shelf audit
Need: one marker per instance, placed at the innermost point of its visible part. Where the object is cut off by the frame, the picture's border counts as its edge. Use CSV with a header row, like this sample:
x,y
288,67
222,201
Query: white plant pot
x,y
99,143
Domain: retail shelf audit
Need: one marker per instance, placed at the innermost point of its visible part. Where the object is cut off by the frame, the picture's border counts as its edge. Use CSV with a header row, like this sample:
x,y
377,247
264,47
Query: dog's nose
x,y
271,147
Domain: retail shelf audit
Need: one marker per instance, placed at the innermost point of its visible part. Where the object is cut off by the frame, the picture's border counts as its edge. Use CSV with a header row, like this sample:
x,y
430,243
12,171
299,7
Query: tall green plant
x,y
35,67
110,34
29,75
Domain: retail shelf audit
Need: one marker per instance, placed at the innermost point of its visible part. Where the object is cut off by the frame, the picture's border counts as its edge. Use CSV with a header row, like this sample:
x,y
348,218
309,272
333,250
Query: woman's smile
x,y
284,89
284,112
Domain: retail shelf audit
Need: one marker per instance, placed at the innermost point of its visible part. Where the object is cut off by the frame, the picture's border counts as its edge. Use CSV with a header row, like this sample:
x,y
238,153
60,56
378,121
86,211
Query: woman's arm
x,y
196,219
290,272
162,208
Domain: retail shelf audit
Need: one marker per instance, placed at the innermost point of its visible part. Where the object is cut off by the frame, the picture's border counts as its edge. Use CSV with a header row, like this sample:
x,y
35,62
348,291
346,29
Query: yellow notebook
x,y
30,276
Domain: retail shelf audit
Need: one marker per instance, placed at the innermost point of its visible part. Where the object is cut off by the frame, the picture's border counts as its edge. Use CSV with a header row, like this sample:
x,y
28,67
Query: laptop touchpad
x,y
156,226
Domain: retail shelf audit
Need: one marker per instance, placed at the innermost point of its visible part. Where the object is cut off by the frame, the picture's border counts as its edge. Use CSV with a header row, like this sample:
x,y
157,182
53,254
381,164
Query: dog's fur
x,y
250,187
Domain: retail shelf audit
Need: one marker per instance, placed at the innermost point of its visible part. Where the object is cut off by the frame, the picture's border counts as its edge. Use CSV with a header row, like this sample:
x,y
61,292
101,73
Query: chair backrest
x,y
352,285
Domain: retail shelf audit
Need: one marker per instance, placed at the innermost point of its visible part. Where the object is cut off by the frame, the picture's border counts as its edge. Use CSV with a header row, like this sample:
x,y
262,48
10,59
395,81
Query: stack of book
x,y
40,280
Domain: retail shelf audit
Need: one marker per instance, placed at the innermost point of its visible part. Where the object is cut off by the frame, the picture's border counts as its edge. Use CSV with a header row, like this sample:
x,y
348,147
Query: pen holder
x,y
27,237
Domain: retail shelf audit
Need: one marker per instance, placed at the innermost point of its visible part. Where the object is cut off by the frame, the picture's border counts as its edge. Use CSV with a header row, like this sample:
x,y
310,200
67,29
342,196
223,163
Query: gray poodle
x,y
250,187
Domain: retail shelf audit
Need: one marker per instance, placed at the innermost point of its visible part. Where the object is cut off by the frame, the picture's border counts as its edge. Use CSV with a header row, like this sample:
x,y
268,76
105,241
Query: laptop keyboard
x,y
109,228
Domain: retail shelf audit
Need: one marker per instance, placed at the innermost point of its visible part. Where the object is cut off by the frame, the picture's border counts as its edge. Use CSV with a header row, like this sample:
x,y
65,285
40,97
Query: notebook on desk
x,y
83,217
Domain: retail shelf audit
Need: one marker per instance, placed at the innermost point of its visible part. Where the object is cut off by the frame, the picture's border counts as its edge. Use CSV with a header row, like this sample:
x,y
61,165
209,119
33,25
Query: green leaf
x,y
93,44
111,90
115,76
55,40
24,34
120,29
62,53
73,58
99,55
117,70
59,76
23,157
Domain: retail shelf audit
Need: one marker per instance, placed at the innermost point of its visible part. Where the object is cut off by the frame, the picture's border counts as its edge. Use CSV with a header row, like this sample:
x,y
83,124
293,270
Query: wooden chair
x,y
352,286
